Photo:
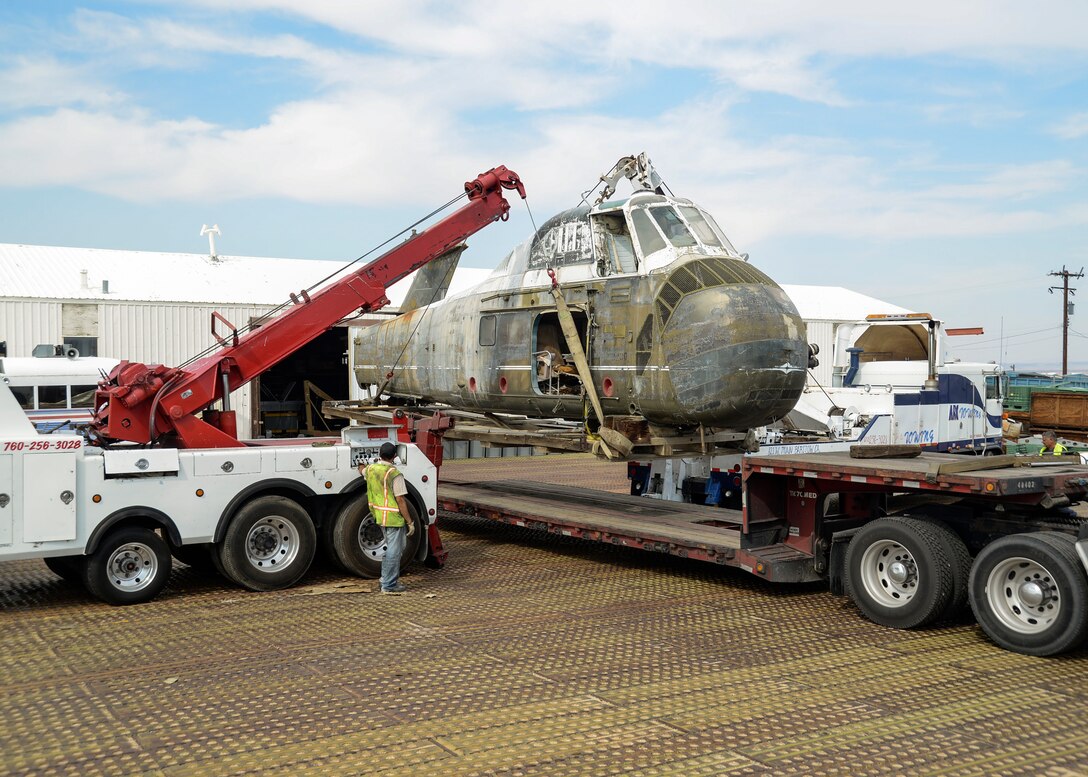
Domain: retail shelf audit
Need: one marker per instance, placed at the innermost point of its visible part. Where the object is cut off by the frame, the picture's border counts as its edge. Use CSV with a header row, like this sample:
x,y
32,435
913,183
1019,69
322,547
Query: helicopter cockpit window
x,y
649,239
673,227
616,251
702,229
718,231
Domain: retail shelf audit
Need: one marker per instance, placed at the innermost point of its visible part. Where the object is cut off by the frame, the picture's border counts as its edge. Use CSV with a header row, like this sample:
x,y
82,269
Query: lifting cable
x,y
412,334
287,303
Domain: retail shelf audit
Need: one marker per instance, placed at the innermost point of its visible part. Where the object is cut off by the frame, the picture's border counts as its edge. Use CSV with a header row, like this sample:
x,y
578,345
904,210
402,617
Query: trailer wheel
x,y
359,544
68,568
1030,594
898,572
268,545
960,559
130,566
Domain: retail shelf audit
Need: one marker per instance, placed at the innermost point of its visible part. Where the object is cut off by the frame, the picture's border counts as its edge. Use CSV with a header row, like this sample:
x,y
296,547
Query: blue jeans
x,y
395,539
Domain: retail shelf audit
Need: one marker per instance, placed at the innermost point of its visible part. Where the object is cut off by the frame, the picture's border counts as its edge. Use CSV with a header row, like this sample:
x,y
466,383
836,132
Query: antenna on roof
x,y
211,232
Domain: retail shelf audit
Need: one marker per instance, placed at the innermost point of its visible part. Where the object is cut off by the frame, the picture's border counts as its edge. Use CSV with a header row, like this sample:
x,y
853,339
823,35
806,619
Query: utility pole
x,y
1065,275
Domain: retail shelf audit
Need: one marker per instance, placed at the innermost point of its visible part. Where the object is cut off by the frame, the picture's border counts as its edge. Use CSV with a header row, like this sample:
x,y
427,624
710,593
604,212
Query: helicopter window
x,y
649,239
718,231
617,251
673,227
702,229
487,330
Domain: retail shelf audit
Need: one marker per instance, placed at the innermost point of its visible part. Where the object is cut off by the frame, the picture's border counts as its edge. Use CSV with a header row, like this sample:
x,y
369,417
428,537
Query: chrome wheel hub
x,y
132,567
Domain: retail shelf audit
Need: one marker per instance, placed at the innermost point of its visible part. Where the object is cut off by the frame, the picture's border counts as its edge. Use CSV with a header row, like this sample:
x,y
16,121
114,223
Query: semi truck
x,y
912,538
159,470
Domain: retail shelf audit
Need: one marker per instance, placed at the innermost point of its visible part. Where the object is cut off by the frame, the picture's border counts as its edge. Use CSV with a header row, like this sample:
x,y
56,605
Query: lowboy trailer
x,y
912,540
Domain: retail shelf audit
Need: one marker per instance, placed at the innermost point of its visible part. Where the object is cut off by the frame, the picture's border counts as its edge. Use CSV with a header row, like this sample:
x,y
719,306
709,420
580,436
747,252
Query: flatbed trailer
x,y
911,539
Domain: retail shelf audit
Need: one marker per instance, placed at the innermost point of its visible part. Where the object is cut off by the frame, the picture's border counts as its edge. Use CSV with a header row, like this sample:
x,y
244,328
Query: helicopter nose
x,y
736,354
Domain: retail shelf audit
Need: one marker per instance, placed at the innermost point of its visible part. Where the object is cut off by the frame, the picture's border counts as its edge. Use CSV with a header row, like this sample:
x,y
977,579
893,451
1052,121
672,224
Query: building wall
x,y
27,323
159,333
823,334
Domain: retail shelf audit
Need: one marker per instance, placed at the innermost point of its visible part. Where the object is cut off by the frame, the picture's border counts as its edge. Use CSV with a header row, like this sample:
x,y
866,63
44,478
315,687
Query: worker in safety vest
x,y
385,493
1051,446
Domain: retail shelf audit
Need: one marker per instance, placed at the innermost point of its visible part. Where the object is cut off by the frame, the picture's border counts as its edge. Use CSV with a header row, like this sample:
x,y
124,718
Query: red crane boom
x,y
141,403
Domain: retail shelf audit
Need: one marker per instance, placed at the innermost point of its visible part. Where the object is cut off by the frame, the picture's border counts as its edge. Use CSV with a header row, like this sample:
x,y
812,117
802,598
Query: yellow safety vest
x,y
1059,449
379,494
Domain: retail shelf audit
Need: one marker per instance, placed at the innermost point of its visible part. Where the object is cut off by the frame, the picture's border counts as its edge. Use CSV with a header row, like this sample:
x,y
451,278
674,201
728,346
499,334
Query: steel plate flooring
x,y
529,654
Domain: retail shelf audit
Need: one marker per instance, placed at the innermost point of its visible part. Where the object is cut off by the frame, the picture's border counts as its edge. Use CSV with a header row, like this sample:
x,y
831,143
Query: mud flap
x,y
432,553
836,567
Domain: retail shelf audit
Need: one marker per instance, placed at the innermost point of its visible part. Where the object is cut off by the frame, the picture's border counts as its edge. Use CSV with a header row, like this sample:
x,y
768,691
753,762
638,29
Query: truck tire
x,y
68,568
899,573
131,565
268,545
1029,593
358,543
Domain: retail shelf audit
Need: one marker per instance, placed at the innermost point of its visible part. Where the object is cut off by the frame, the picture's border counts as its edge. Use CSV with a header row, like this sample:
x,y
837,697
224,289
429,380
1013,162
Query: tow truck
x,y
159,471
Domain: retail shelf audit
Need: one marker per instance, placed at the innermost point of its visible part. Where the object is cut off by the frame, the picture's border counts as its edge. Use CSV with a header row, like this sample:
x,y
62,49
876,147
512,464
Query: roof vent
x,y
105,287
211,232
83,282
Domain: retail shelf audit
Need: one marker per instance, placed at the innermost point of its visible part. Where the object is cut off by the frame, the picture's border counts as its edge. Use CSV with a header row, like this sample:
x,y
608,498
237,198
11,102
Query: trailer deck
x,y
686,530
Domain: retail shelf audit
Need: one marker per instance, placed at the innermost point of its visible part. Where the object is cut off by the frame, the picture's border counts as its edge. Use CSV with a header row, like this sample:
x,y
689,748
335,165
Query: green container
x,y
1018,398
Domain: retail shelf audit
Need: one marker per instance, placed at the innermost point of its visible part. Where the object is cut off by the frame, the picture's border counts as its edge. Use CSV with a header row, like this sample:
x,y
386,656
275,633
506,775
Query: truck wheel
x,y
269,544
1030,594
130,566
898,572
68,568
358,542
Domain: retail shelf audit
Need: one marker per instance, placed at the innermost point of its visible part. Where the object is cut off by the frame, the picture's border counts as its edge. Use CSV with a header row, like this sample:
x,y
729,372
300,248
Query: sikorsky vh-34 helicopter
x,y
638,307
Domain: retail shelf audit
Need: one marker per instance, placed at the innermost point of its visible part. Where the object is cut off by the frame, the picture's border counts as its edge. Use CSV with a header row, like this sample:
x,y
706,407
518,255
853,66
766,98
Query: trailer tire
x,y
358,543
960,559
130,566
68,568
268,545
898,573
1046,612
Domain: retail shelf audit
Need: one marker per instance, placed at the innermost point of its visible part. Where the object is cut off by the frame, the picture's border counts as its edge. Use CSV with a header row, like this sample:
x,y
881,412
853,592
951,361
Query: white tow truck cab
x,y
110,518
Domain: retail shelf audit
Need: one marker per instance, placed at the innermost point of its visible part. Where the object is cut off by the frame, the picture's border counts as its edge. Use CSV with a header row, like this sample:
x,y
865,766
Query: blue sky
x,y
929,154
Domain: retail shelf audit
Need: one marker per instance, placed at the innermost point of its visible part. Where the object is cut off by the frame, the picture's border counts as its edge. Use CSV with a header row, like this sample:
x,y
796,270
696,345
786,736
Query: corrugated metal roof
x,y
50,272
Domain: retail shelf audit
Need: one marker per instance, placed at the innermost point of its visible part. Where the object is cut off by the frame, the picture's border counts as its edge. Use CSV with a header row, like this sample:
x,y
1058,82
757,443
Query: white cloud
x,y
1073,127
28,82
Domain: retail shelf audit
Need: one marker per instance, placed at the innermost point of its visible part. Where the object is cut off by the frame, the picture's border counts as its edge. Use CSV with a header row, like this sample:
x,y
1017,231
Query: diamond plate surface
x,y
529,654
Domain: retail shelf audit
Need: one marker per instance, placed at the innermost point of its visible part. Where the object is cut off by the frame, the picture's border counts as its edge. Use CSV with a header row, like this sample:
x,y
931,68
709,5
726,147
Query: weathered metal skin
x,y
694,336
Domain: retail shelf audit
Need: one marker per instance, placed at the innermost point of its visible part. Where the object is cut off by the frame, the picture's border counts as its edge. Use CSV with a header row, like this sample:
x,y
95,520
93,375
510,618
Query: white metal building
x,y
138,305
